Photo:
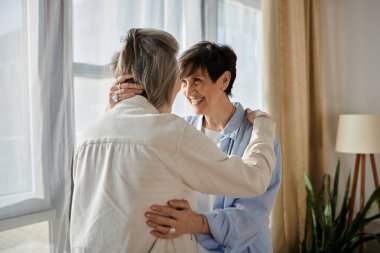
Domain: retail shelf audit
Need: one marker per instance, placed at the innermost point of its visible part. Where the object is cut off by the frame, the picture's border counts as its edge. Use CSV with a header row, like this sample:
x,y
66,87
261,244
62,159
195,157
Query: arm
x,y
231,227
228,226
206,169
234,227
179,215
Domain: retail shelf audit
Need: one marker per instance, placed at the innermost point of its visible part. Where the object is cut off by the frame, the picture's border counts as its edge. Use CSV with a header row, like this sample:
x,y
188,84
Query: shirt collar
x,y
139,101
198,125
232,127
234,123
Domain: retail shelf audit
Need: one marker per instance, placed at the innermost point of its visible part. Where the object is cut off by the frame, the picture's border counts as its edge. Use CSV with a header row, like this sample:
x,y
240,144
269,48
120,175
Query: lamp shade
x,y
358,134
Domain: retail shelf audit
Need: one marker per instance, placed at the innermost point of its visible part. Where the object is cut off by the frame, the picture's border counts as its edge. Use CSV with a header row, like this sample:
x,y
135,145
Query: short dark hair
x,y
213,57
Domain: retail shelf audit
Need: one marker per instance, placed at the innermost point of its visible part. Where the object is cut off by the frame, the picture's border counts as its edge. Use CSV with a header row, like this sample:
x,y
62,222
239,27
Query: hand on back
x,y
177,215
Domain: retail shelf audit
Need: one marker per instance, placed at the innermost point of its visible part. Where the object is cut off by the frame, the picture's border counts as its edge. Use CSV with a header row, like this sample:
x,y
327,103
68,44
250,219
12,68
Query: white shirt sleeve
x,y
203,167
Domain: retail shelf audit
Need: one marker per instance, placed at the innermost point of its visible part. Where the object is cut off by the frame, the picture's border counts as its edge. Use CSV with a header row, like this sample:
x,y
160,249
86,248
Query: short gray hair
x,y
150,56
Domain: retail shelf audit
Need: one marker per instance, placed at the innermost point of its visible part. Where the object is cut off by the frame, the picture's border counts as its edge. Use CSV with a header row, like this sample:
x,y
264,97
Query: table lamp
x,y
359,134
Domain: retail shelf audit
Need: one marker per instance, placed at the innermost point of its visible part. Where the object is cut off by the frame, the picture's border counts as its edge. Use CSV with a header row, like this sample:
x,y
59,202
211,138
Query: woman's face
x,y
201,92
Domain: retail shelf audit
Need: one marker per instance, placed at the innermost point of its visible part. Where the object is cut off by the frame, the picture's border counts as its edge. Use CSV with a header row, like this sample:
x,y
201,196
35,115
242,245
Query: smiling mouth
x,y
196,101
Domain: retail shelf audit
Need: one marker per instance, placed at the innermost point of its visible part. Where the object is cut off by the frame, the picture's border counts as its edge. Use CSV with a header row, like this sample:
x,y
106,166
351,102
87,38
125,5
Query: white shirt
x,y
205,202
213,135
134,157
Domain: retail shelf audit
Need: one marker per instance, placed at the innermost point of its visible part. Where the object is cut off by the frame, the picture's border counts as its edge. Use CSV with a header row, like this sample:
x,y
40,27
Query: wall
x,y
350,31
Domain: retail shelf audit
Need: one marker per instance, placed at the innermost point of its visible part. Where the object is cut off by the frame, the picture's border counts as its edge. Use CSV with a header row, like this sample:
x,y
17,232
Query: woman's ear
x,y
226,77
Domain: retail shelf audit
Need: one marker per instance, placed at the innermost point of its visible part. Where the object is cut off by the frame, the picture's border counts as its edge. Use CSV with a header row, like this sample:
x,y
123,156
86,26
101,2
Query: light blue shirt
x,y
240,224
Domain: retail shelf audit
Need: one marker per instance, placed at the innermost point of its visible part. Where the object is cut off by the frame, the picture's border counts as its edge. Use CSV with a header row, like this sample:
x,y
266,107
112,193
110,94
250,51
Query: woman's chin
x,y
197,111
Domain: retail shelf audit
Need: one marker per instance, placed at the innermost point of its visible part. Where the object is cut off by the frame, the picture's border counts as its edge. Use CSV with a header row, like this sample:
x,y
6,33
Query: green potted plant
x,y
326,228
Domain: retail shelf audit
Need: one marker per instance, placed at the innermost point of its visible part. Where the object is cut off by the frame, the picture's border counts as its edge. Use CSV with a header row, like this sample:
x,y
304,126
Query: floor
x,y
28,239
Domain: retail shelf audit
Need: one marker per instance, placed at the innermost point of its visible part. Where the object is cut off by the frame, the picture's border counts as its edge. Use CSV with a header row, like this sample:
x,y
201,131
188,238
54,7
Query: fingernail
x,y
153,207
147,214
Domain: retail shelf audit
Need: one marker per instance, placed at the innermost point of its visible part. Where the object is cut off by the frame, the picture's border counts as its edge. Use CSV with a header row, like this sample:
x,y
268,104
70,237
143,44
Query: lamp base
x,y
361,158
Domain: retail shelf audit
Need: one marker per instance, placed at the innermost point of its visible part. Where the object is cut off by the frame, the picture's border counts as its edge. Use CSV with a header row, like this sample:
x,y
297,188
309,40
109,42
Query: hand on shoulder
x,y
252,115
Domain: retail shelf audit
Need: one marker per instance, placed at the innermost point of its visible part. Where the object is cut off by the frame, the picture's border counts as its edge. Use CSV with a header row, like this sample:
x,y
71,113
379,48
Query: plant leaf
x,y
361,215
341,219
335,190
326,226
328,223
366,238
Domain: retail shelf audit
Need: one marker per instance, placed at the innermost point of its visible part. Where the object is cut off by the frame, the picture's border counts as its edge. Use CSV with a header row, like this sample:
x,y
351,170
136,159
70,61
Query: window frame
x,y
14,204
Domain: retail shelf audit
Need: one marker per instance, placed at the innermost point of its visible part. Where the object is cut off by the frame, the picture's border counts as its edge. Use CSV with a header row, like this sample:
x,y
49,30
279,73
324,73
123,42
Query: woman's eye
x,y
197,81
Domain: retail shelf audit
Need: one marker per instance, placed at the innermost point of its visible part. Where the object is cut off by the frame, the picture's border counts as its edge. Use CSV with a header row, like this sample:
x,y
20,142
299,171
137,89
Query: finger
x,y
252,115
131,86
111,104
259,113
157,227
160,219
125,96
163,236
114,87
179,204
123,78
119,92
165,210
128,90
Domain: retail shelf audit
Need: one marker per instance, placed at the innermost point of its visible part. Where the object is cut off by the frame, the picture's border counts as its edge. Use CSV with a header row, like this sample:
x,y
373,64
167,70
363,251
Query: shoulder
x,y
95,130
177,122
146,128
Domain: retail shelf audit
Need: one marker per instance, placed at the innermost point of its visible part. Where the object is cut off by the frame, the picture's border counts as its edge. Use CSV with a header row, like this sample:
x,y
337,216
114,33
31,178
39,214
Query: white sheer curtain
x,y
37,124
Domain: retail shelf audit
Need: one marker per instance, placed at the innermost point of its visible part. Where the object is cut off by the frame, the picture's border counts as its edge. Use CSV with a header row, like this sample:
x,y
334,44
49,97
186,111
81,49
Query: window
x,y
98,26
20,176
37,131
36,128
14,138
240,26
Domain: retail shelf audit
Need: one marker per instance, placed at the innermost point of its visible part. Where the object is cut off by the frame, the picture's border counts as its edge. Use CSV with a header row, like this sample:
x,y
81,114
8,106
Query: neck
x,y
218,118
164,109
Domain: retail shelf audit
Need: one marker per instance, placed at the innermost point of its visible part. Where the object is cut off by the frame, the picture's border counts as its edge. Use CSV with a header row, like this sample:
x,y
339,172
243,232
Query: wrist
x,y
203,225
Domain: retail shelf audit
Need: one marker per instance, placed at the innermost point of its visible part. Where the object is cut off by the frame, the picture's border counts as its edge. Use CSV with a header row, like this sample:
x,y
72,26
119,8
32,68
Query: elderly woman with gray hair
x,y
139,154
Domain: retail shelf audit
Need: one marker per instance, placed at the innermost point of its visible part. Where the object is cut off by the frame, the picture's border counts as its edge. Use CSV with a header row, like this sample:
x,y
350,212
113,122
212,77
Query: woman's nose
x,y
187,89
